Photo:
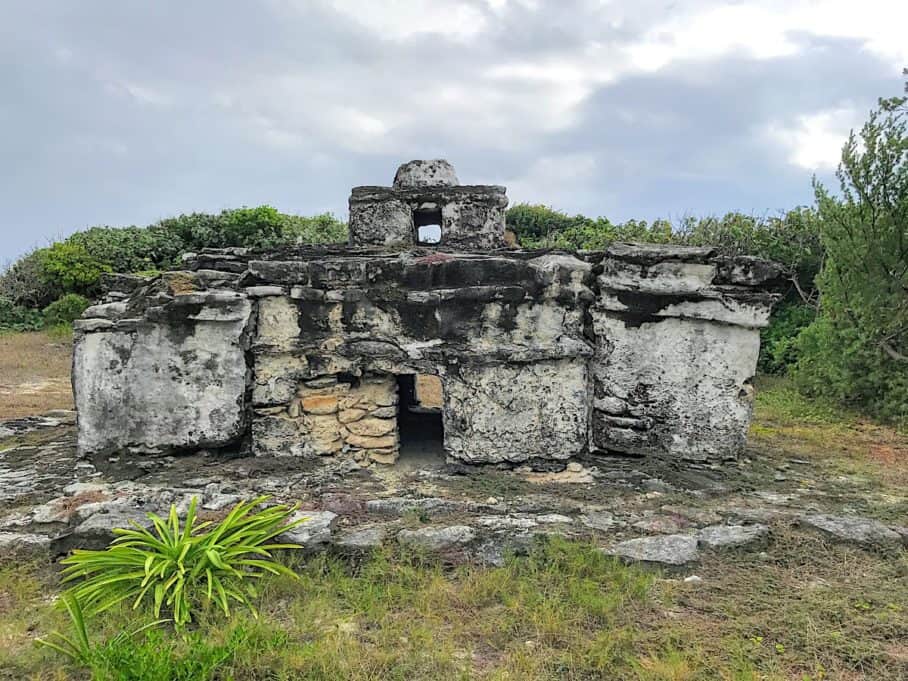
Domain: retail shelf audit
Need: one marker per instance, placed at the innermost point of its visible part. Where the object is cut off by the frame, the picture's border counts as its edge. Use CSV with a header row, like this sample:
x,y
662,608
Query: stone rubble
x,y
63,502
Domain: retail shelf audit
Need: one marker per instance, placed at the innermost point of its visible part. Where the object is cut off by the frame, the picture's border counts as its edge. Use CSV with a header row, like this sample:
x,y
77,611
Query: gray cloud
x,y
123,113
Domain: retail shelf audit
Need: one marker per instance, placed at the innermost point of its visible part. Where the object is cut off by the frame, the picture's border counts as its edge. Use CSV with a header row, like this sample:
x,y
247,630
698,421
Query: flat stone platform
x,y
52,501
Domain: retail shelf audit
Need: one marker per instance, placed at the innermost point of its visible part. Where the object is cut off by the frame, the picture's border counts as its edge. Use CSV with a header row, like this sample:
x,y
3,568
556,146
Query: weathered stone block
x,y
319,404
171,384
366,442
372,427
498,413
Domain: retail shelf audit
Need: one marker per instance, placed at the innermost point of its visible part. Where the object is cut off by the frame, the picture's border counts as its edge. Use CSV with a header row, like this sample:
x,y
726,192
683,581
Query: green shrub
x,y
778,341
65,310
178,566
130,249
535,224
319,229
259,227
23,283
70,268
18,318
837,361
857,351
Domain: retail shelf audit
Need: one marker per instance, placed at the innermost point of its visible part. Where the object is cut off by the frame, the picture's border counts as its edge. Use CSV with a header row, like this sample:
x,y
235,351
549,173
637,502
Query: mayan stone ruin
x,y
428,330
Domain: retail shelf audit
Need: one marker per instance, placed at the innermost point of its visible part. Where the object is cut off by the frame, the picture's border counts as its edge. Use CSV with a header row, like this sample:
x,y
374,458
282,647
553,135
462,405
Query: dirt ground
x,y
34,374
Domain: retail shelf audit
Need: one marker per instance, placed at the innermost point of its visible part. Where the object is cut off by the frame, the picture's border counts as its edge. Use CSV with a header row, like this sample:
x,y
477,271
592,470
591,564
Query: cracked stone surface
x,y
731,536
670,549
437,538
861,531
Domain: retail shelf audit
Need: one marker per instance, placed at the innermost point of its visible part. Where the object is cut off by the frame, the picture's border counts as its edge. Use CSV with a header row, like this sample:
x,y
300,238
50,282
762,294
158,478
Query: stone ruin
x,y
426,333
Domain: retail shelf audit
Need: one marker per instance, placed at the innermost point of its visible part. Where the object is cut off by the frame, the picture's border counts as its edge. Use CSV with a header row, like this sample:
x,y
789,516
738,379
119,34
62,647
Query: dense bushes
x,y
65,310
69,271
61,312
857,350
18,318
69,268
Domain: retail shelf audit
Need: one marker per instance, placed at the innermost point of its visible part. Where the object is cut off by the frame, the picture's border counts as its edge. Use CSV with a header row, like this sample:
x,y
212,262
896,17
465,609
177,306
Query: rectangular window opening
x,y
419,420
428,226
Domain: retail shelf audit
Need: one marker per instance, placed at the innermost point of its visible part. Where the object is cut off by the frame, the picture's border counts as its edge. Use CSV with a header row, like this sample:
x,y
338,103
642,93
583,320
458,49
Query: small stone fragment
x,y
863,531
671,549
371,427
730,536
598,520
553,518
437,538
350,415
362,539
15,543
319,404
372,442
660,525
385,412
383,457
315,531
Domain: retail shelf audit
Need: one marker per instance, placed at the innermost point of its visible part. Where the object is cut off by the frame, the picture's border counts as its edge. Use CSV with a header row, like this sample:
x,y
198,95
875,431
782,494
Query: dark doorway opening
x,y
428,226
419,420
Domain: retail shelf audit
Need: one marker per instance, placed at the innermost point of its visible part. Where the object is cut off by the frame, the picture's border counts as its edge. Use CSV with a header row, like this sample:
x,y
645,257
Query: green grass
x,y
567,611
818,611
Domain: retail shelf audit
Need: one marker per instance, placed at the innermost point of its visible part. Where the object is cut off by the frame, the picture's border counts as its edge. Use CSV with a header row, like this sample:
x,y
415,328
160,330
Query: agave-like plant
x,y
79,648
178,565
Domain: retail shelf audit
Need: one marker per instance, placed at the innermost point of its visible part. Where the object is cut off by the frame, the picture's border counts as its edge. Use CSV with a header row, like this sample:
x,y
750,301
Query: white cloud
x,y
550,178
402,19
814,141
772,28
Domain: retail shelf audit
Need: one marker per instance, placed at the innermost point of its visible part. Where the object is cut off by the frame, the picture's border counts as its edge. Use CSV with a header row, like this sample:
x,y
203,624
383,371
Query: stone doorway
x,y
419,420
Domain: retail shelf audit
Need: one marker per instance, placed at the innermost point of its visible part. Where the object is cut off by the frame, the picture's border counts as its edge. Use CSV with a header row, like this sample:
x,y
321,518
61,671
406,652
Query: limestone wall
x,y
355,418
170,376
677,339
638,350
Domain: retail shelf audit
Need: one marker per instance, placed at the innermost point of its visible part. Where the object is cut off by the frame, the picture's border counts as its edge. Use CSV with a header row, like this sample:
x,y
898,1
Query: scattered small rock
x,y
731,536
400,505
598,520
314,532
863,531
659,525
363,538
671,549
16,543
437,538
553,518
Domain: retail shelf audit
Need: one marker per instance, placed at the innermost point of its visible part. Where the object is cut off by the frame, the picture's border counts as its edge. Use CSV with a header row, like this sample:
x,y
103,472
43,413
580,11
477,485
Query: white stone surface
x,y
171,384
502,412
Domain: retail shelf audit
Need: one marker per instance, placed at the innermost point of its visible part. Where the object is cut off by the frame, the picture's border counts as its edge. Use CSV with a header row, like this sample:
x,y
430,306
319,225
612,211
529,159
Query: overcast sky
x,y
123,112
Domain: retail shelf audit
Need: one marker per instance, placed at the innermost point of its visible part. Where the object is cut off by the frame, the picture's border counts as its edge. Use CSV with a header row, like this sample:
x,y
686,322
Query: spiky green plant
x,y
178,566
79,648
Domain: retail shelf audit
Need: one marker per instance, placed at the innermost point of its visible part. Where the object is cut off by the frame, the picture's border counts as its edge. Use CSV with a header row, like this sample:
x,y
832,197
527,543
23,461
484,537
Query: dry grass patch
x,y
785,420
34,373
